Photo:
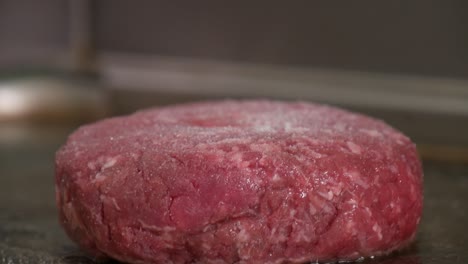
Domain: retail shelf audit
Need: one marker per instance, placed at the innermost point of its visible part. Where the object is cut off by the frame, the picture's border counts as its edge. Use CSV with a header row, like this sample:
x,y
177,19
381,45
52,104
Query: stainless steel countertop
x,y
30,232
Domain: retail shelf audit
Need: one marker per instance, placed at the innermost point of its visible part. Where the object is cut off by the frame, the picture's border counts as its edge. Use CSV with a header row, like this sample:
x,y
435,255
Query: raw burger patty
x,y
239,182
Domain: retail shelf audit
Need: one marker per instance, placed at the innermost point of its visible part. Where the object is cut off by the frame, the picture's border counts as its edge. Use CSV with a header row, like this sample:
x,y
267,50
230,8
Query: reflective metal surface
x,y
30,233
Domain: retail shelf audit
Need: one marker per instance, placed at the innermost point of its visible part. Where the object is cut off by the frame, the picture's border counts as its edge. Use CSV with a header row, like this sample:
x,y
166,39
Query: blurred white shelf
x,y
363,89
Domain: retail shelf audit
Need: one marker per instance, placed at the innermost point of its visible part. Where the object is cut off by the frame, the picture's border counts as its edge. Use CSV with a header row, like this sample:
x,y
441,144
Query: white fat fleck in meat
x,y
356,149
206,246
356,177
276,177
327,195
114,202
378,230
327,208
351,227
91,165
292,213
111,200
206,228
243,236
165,229
400,142
353,203
277,236
314,154
253,183
393,168
99,177
409,172
371,132
78,153
337,189
244,164
237,159
302,236
109,163
303,194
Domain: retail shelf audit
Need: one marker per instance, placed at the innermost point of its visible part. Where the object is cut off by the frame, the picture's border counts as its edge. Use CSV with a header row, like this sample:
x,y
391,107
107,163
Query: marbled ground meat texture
x,y
239,182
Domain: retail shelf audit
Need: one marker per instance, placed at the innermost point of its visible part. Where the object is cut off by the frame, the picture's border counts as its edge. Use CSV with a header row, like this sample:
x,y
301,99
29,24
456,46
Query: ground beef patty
x,y
239,181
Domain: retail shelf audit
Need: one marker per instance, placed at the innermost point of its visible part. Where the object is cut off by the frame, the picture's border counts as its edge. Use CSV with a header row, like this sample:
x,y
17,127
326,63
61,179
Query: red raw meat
x,y
239,182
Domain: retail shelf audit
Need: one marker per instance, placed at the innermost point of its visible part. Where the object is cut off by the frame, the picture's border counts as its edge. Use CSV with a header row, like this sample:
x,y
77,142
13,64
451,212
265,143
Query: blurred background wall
x,y
33,33
422,37
417,37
